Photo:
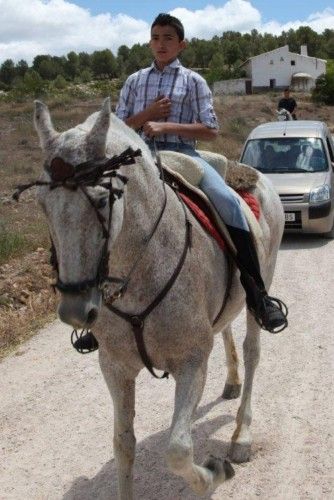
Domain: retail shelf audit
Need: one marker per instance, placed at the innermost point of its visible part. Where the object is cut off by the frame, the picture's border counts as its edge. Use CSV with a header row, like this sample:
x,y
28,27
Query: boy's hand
x,y
160,108
151,129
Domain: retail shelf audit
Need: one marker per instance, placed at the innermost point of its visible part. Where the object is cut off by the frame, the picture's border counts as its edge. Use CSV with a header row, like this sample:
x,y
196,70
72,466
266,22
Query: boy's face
x,y
165,44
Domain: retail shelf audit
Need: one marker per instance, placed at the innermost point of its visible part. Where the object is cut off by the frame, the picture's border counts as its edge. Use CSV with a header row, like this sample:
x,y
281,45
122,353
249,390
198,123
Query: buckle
x,y
137,321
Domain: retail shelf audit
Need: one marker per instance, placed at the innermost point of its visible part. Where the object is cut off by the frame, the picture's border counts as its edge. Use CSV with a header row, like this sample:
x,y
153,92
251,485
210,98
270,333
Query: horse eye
x,y
101,202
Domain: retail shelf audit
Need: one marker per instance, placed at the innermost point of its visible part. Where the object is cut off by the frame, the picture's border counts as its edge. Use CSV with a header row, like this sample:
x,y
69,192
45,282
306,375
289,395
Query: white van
x,y
298,157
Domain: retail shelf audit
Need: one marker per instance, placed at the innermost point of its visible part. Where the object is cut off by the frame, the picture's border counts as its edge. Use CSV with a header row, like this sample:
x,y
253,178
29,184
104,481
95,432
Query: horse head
x,y
76,198
283,115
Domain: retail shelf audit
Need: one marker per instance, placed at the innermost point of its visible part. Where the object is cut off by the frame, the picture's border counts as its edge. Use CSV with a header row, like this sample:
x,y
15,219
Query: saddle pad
x,y
200,198
202,201
206,220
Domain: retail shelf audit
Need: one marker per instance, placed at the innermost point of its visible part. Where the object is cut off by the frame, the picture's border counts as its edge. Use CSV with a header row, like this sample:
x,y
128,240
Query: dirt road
x,y
56,415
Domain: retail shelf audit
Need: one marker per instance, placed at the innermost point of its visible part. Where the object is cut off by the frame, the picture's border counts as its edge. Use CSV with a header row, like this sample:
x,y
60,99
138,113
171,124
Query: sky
x,y
32,27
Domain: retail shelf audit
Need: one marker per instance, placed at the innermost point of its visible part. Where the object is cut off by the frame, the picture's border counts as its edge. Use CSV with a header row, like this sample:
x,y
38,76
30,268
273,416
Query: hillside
x,y
26,299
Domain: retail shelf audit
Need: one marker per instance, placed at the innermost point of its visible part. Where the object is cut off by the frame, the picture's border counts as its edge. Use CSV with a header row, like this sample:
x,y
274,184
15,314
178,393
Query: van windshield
x,y
292,154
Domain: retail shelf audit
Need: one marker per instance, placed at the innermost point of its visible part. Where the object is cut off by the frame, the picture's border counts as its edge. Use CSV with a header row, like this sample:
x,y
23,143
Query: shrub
x,y
105,88
4,86
32,84
324,89
85,76
59,82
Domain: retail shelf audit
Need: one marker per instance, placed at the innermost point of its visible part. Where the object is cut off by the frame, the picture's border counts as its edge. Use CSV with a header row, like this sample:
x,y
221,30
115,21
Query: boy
x,y
174,106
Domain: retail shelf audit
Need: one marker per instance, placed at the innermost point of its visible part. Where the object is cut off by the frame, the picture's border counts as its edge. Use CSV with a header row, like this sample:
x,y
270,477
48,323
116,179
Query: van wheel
x,y
330,234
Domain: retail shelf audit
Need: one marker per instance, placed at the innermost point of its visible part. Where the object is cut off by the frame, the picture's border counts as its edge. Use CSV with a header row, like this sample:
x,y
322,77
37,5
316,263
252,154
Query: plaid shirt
x,y
189,93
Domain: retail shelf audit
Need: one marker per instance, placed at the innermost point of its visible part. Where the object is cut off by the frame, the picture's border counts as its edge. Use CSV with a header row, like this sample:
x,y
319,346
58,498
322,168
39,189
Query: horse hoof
x,y
221,469
239,453
231,391
229,471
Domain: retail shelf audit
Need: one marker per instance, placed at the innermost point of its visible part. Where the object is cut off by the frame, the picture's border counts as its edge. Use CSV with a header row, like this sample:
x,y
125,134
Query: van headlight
x,y
321,193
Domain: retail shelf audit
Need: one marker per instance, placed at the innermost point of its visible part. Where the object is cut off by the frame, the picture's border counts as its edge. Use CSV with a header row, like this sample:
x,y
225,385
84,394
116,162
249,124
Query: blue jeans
x,y
213,185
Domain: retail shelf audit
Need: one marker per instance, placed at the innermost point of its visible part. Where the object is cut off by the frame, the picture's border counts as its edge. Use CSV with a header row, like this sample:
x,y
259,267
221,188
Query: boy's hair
x,y
167,20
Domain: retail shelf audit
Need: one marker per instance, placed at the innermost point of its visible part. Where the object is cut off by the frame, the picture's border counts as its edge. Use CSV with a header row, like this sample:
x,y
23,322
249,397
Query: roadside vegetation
x,y
324,89
79,75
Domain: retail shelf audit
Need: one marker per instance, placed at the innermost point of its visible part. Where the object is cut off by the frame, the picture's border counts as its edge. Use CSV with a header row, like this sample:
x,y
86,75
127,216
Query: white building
x,y
282,68
277,69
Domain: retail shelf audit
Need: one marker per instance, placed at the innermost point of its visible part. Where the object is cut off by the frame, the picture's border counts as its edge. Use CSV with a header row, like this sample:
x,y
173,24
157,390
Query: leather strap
x,y
137,320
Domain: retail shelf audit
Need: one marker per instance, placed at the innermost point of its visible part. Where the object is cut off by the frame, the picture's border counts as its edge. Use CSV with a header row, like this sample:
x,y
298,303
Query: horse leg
x,y
242,439
122,390
189,388
232,386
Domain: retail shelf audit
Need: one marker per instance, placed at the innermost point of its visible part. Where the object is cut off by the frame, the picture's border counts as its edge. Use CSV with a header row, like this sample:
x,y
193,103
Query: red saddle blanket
x,y
205,218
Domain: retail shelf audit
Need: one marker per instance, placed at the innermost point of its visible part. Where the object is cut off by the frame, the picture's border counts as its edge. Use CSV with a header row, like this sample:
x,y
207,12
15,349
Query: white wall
x,y
227,87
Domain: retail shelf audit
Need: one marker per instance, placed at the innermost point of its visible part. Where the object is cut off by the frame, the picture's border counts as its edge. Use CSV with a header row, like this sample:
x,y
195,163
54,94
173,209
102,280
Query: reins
x,y
125,281
137,321
101,172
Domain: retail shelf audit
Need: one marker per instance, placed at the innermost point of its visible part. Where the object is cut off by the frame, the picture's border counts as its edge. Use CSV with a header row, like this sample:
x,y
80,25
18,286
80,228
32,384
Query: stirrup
x,y
267,300
76,338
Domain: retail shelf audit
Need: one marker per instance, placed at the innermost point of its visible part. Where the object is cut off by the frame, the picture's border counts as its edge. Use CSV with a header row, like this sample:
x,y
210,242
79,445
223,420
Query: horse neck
x,y
143,193
142,203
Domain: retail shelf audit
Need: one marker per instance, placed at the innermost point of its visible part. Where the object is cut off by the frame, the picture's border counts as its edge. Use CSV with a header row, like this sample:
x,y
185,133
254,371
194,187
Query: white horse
x,y
86,222
283,115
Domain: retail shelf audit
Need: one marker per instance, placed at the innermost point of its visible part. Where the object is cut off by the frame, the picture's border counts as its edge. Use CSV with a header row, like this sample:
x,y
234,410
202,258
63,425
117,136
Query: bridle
x,y
87,174
101,173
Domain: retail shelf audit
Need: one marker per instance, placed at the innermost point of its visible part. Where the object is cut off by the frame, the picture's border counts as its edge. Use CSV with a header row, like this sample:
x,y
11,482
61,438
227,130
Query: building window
x,y
271,61
293,63
282,59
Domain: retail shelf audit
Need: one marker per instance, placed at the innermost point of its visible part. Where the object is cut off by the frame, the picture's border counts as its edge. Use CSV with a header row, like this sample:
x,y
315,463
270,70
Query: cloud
x,y
210,21
56,27
29,28
319,21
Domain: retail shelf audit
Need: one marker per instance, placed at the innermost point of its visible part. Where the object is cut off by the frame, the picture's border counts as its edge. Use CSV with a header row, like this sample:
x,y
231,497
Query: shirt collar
x,y
172,66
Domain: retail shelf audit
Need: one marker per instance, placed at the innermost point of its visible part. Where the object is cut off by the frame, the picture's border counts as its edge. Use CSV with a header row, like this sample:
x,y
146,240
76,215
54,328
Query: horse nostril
x,y
91,316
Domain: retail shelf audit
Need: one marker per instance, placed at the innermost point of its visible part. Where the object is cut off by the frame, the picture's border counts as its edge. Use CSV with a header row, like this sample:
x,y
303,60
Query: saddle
x,y
186,173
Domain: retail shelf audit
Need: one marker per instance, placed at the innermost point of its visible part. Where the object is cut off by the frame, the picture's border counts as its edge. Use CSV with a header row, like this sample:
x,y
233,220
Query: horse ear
x,y
96,138
43,124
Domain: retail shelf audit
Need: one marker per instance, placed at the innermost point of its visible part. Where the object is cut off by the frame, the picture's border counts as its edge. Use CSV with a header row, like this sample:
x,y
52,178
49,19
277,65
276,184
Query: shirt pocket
x,y
180,95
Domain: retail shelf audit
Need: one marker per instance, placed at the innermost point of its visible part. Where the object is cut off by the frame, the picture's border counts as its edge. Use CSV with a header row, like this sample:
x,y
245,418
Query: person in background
x,y
288,103
268,158
304,159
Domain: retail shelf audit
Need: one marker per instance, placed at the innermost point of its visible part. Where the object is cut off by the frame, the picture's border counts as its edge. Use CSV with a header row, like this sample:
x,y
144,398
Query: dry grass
x,y
26,300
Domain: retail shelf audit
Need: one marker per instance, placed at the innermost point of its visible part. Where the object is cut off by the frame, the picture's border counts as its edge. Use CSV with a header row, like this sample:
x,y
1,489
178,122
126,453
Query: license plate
x,y
290,216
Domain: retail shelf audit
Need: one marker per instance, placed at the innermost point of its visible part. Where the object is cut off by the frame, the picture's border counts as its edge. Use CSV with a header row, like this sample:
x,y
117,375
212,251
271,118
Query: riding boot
x,y
86,342
269,312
